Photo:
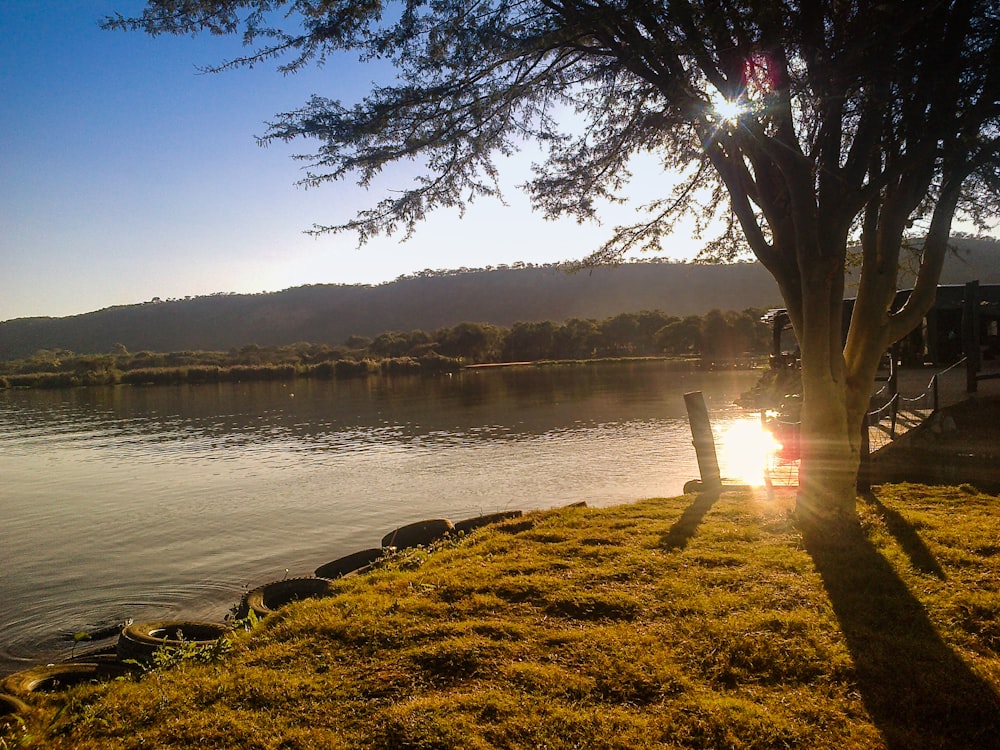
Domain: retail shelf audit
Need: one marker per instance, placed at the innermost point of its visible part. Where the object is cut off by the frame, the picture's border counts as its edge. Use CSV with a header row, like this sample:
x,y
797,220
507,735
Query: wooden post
x,y
704,443
777,324
970,335
864,484
893,392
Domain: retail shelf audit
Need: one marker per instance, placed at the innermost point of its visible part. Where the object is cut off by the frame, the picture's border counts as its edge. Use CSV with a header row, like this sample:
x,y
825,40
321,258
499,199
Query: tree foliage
x,y
846,97
733,337
801,125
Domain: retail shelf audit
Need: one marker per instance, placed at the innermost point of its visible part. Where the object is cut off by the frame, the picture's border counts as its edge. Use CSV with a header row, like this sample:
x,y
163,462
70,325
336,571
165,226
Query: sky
x,y
128,174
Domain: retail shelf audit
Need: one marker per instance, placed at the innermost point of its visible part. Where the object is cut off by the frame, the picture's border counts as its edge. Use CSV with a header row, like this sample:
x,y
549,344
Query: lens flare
x,y
745,450
727,110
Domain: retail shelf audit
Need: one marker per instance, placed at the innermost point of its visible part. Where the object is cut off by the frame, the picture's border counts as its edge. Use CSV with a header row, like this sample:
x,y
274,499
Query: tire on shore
x,y
351,563
477,522
11,705
47,679
418,534
140,640
270,597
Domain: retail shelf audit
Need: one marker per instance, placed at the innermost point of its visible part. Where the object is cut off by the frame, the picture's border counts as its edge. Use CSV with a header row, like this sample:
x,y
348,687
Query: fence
x,y
896,416
890,416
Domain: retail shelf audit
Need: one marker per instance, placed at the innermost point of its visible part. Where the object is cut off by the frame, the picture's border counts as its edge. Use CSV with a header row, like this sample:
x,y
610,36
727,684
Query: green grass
x,y
670,623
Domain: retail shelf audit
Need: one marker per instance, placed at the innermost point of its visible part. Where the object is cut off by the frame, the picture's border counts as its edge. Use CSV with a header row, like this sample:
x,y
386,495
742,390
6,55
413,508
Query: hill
x,y
329,314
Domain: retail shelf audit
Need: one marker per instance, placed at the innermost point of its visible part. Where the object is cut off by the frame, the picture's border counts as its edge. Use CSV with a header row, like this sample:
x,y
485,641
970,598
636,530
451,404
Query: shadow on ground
x,y
919,693
685,527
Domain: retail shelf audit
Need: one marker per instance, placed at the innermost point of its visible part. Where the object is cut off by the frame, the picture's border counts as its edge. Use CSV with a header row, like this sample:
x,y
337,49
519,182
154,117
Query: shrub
x,y
207,374
434,362
44,380
261,372
155,376
349,368
400,366
322,370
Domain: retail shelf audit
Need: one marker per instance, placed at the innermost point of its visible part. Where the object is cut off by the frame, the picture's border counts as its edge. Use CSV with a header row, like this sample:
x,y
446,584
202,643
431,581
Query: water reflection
x,y
168,501
508,402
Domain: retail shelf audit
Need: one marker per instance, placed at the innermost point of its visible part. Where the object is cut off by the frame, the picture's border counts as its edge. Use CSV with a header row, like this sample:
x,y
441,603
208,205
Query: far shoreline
x,y
343,369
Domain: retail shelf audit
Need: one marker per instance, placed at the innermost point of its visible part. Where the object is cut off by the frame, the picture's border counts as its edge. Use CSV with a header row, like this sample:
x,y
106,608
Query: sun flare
x,y
728,110
745,451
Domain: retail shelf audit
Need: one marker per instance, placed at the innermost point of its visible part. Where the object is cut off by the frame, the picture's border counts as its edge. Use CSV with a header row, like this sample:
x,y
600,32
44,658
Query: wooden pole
x,y
864,483
970,335
704,442
893,392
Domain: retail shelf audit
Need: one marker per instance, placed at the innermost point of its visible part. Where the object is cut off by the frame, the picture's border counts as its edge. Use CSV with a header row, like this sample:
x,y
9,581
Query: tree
x,y
803,126
576,339
649,322
397,343
619,334
717,340
529,341
680,336
477,342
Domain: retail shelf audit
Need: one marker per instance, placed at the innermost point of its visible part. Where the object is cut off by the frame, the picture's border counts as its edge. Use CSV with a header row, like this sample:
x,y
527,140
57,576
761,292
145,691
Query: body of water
x,y
165,502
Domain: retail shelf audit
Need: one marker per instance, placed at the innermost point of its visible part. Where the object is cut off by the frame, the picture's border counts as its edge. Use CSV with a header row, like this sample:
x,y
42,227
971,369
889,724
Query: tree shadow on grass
x,y
917,690
685,527
920,555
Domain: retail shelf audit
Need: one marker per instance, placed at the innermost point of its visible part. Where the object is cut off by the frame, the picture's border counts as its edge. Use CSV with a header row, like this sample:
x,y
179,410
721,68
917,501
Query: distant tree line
x,y
716,336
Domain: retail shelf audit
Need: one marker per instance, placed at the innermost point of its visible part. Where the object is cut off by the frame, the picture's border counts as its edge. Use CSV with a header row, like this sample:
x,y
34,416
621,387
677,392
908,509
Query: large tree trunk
x,y
830,445
830,431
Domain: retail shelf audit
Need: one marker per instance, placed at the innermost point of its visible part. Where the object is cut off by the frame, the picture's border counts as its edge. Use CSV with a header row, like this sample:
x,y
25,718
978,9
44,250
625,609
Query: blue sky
x,y
127,174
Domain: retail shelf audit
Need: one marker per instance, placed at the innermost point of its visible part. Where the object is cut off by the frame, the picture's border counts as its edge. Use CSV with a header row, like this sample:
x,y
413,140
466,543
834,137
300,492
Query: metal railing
x,y
889,411
914,410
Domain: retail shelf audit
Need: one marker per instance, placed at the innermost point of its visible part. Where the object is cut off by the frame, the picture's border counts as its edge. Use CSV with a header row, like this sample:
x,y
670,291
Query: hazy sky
x,y
127,174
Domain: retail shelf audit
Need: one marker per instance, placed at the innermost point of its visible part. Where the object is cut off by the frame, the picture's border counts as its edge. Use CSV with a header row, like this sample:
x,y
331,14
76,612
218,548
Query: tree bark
x,y
830,448
830,429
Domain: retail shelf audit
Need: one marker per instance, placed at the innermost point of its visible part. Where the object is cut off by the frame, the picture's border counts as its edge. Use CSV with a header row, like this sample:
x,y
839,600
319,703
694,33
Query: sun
x,y
745,449
727,110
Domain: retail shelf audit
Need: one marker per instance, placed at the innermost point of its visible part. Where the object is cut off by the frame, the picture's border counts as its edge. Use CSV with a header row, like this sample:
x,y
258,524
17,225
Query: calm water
x,y
165,502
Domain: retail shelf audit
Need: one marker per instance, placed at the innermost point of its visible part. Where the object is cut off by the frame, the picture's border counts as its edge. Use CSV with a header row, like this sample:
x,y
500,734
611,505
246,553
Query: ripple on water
x,y
169,502
44,629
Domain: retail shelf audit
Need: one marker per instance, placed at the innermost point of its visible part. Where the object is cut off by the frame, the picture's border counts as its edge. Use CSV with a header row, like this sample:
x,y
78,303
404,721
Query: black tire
x,y
109,666
49,678
350,563
140,640
265,599
477,522
99,654
10,706
418,534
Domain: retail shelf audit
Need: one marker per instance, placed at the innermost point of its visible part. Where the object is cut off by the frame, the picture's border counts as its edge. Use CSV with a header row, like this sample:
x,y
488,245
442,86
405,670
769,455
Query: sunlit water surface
x,y
162,502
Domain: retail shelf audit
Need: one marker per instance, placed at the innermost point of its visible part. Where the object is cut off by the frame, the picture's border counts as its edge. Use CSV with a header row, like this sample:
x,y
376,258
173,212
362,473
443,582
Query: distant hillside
x,y
331,313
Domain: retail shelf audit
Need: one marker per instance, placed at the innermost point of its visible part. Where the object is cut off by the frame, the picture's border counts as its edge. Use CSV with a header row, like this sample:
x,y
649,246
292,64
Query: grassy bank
x,y
691,622
341,369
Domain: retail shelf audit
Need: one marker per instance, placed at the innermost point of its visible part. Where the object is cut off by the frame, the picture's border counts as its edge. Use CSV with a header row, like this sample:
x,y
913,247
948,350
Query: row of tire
x,y
137,642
